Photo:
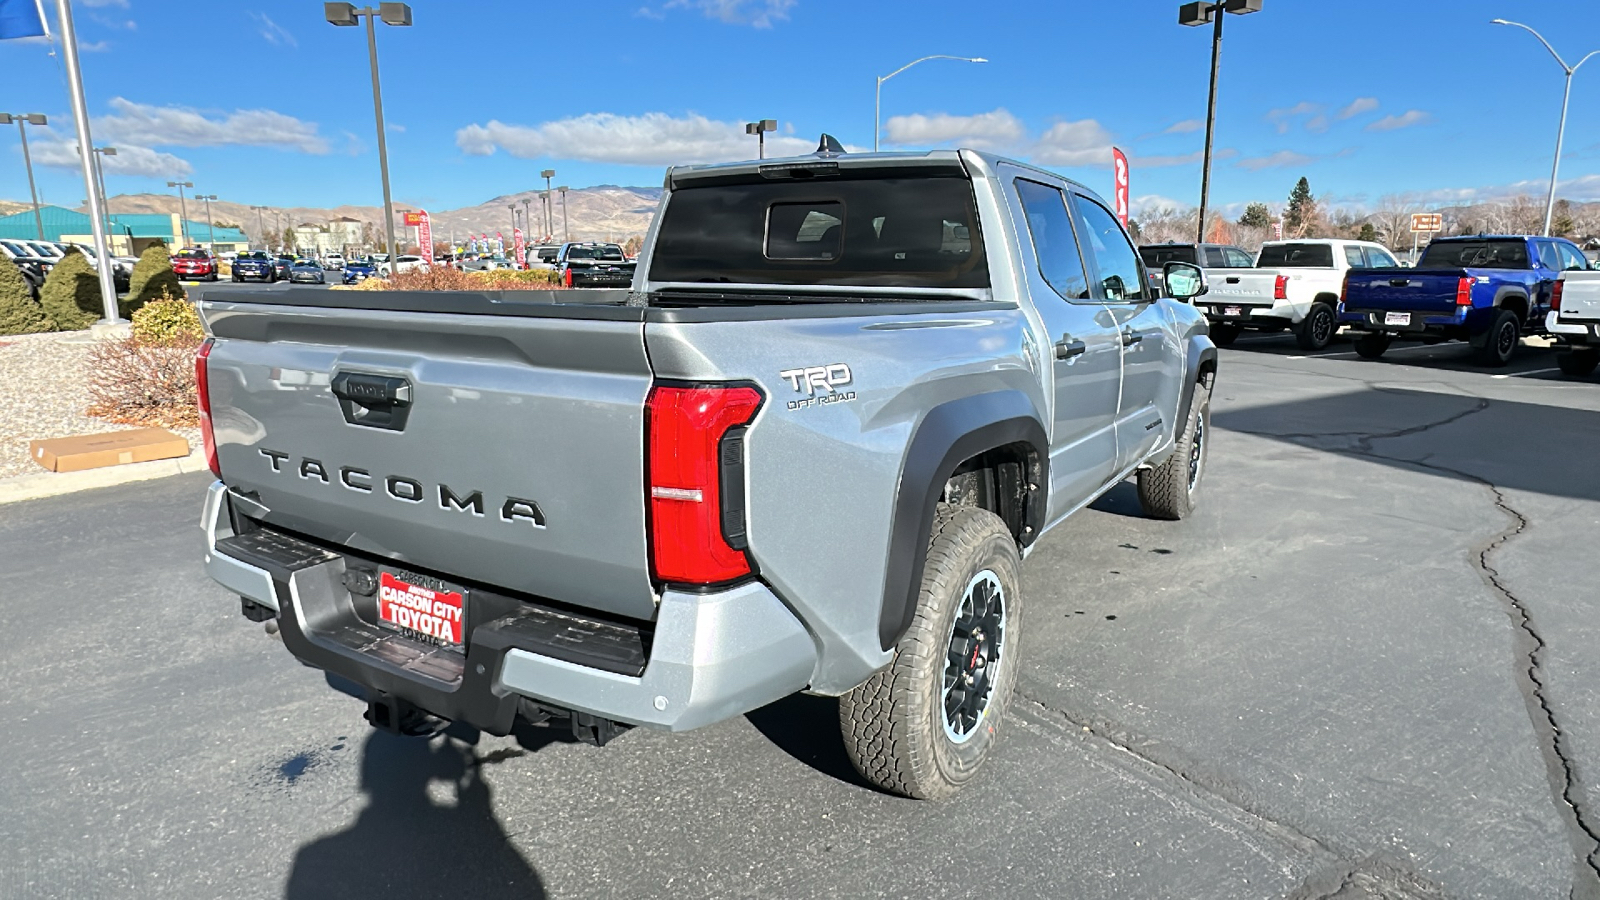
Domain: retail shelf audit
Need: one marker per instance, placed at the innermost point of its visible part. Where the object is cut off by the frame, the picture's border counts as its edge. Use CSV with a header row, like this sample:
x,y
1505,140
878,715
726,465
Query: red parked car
x,y
195,265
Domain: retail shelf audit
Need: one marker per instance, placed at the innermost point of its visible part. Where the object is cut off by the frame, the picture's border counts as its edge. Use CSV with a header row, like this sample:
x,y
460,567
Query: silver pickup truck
x,y
1574,321
807,451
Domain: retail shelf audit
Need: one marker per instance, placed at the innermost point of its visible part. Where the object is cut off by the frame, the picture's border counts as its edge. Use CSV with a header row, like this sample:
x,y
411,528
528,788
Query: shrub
x,y
152,277
19,313
446,279
144,382
71,293
168,318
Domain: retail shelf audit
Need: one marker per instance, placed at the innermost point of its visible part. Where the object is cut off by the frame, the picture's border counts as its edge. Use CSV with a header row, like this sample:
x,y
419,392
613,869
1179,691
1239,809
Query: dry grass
x,y
144,382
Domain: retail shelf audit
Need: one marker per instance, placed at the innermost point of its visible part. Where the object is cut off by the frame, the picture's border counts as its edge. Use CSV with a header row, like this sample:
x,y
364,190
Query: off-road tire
x,y
1500,344
1373,346
1578,363
1168,491
1224,334
894,724
1317,329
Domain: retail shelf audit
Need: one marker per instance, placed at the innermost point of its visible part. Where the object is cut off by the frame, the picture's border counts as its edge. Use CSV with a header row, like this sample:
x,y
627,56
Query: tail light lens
x,y
1464,292
695,480
1344,290
1555,295
202,383
1280,288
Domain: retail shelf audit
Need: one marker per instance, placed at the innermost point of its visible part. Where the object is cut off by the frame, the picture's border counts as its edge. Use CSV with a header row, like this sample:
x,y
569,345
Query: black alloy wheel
x,y
973,657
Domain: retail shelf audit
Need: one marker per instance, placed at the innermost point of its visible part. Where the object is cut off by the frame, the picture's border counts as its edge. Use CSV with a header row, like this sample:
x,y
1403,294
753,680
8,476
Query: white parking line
x,y
1353,353
1524,374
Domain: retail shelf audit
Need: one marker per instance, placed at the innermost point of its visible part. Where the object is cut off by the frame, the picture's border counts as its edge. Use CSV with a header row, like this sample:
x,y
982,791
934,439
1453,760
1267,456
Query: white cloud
x,y
1187,126
130,160
1082,143
652,139
990,130
272,32
173,126
756,13
1186,159
1404,120
1583,189
1285,117
1358,106
94,46
1155,203
1317,124
1281,159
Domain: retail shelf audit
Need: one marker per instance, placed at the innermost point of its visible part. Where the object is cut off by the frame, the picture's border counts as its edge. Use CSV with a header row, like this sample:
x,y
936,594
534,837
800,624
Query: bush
x,y
19,313
168,318
446,279
144,382
71,293
152,277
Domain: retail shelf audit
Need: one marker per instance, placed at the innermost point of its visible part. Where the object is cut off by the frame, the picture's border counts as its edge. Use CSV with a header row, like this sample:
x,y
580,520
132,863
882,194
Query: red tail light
x,y
1464,292
202,383
1280,288
688,464
1344,290
1555,295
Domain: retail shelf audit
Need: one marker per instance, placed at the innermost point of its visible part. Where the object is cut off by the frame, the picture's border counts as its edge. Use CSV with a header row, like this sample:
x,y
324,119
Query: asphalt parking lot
x,y
1364,669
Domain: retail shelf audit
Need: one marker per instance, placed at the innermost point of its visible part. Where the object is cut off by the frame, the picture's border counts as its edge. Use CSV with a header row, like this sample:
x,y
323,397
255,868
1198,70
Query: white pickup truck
x,y
1295,285
1574,320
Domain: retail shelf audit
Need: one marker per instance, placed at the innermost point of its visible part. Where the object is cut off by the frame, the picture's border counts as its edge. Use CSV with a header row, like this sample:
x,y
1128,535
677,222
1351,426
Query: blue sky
x,y
265,103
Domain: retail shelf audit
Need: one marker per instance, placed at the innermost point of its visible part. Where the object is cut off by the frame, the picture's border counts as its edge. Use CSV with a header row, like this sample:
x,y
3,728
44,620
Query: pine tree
x,y
1298,213
71,293
1368,233
152,277
19,314
1256,215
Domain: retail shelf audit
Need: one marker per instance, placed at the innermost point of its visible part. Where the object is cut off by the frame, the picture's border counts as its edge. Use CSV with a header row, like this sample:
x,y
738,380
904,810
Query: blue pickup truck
x,y
1488,290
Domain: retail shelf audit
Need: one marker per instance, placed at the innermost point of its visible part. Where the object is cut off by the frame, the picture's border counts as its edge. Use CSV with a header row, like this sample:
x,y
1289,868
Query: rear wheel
x,y
1500,344
1316,331
1373,346
923,725
1224,334
1580,362
1168,491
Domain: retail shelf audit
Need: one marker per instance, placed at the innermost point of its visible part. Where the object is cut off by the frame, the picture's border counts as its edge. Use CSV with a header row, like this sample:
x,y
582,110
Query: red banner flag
x,y
1120,165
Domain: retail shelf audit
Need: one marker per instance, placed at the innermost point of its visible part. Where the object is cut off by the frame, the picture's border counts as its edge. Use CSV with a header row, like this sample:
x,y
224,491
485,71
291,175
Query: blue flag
x,y
20,19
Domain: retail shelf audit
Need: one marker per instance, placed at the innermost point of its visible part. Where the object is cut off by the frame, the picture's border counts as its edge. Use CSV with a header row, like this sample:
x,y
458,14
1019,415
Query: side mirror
x,y
1185,281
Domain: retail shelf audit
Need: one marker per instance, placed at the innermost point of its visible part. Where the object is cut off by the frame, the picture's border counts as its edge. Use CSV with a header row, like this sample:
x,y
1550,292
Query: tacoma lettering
x,y
403,488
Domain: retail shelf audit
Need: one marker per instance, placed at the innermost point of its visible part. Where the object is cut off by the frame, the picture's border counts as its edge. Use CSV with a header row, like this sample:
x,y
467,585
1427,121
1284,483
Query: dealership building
x,y
130,234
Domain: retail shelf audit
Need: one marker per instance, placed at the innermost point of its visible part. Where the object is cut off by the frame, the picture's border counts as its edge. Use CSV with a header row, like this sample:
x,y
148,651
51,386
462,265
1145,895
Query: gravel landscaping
x,y
43,394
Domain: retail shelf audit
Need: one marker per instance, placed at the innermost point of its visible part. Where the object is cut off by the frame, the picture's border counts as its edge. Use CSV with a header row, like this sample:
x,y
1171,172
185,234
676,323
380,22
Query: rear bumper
x,y
710,657
1421,323
1577,332
1216,310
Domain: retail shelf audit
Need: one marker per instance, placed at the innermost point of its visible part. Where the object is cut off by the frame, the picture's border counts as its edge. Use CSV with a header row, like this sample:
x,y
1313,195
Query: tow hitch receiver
x,y
387,712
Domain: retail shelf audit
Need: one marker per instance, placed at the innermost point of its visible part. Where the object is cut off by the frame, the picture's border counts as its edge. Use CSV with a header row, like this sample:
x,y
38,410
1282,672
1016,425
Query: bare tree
x,y
1393,221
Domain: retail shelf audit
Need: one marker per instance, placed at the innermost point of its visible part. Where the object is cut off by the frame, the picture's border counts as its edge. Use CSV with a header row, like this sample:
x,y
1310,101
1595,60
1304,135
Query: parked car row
x,y
37,258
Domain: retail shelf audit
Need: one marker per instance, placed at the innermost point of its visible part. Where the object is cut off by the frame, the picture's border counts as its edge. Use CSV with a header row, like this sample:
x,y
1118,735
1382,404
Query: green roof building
x,y
131,233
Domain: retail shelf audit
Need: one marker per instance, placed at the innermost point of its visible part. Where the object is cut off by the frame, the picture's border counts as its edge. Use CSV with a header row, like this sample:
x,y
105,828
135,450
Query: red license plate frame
x,y
423,609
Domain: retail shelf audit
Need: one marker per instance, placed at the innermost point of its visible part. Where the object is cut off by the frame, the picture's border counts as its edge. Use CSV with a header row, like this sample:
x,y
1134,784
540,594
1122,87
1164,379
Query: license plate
x,y
1397,318
1232,311
431,613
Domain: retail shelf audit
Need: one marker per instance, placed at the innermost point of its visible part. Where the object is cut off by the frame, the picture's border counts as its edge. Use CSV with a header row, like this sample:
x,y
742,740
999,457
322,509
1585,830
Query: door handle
x,y
1067,348
1131,337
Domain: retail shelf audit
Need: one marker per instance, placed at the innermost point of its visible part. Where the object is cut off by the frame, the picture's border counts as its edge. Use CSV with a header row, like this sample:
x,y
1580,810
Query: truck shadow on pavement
x,y
807,728
406,843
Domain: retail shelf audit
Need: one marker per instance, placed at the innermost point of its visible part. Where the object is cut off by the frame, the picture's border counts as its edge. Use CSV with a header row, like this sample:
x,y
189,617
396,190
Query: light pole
x,y
1561,133
877,106
549,210
513,208
566,229
183,211
760,129
261,226
100,177
211,229
346,14
527,216
1193,14
23,120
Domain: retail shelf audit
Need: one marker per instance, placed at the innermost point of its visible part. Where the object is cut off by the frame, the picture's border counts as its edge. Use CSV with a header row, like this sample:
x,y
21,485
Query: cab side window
x,y
1572,258
1238,259
1378,259
1548,257
1352,256
1115,260
1053,241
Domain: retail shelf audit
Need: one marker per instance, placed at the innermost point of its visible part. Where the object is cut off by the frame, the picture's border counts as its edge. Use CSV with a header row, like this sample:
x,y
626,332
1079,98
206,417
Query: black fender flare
x,y
1201,352
947,436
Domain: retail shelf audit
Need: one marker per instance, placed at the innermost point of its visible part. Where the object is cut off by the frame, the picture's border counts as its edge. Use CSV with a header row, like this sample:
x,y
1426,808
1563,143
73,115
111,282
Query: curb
x,y
54,484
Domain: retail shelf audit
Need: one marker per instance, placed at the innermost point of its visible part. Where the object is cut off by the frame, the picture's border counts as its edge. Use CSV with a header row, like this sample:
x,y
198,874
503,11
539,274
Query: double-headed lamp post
x,y
549,208
211,227
261,226
759,129
183,211
877,103
100,178
1561,133
23,120
566,229
1212,13
346,14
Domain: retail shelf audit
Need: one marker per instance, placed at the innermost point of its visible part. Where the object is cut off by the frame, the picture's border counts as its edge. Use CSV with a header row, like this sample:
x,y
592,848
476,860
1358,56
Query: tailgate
x,y
517,460
1580,297
1402,290
1241,286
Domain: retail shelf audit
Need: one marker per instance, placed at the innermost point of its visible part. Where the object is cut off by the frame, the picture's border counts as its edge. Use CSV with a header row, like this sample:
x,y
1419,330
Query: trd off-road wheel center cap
x,y
972,661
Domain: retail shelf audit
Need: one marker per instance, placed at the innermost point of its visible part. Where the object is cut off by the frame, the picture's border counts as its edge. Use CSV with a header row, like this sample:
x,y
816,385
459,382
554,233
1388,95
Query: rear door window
x,y
1054,244
1214,258
1548,257
1378,259
1353,256
1238,259
1571,258
1117,275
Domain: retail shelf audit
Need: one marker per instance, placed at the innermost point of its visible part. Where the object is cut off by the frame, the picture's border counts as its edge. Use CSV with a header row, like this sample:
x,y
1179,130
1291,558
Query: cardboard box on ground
x,y
93,451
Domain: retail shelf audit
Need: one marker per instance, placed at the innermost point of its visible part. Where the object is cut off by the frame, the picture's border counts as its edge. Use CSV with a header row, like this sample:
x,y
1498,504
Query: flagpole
x,y
80,112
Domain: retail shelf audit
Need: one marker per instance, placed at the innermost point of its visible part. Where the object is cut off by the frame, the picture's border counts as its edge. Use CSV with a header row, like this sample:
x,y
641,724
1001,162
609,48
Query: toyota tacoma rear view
x,y
807,451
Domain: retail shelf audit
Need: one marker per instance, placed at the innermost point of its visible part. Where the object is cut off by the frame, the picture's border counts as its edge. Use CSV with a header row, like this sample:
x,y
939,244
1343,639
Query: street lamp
x,y
261,226
527,216
760,129
346,14
22,120
1555,167
877,107
211,229
513,208
1194,14
100,179
566,229
183,211
549,210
